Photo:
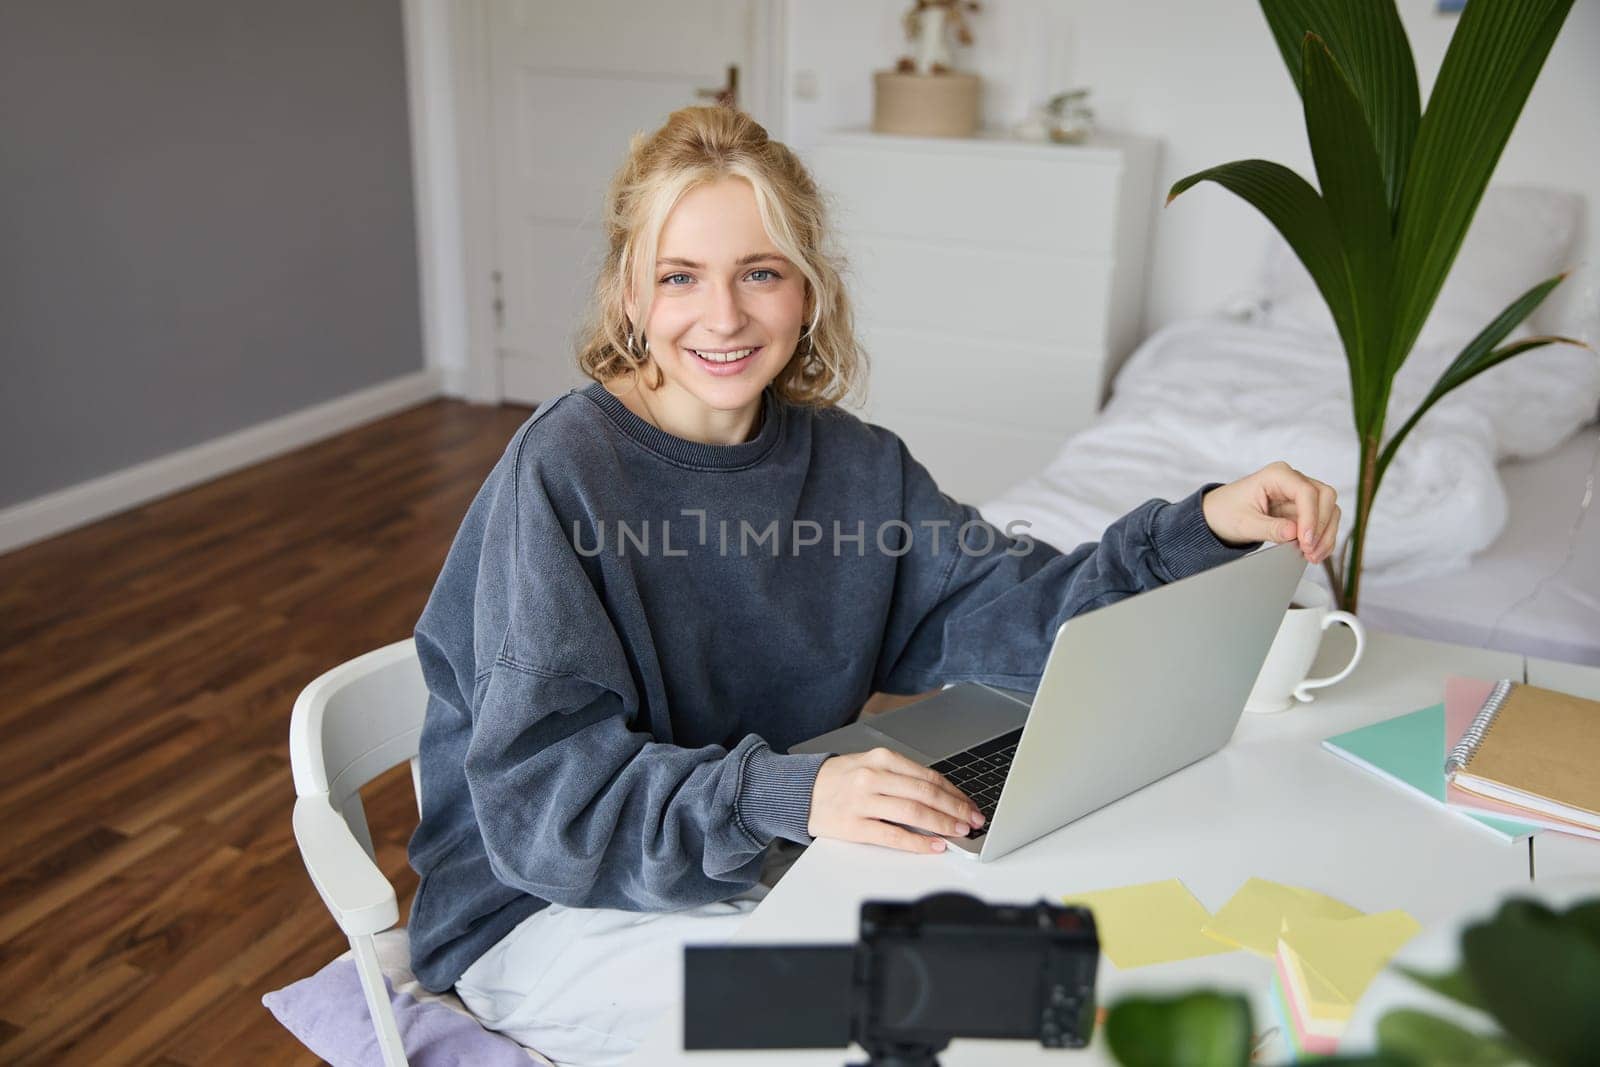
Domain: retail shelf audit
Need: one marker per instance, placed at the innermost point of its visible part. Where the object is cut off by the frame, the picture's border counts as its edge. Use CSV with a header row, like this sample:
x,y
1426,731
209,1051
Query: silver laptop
x,y
1131,692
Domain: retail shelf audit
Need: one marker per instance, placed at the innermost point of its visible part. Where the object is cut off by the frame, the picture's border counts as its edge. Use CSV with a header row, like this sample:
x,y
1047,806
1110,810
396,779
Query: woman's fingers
x,y
874,832
1329,536
1305,506
1299,494
861,797
1325,510
904,777
911,813
1306,501
938,796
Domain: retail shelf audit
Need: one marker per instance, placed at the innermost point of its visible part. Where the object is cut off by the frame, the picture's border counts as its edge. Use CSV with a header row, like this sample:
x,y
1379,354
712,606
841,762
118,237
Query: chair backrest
x,y
353,723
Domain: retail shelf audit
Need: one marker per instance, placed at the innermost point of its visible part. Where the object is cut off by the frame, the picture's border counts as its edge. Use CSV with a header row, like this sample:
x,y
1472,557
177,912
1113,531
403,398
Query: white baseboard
x,y
453,382
46,516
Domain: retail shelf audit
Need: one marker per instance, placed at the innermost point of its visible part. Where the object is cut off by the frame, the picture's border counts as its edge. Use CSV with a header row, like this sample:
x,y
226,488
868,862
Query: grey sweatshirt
x,y
631,629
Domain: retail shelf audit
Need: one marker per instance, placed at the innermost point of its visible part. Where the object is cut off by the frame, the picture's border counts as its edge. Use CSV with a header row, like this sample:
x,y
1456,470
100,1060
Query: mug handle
x,y
1302,692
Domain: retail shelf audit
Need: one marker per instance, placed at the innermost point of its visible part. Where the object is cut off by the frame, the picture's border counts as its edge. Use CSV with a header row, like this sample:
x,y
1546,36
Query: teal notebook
x,y
1407,751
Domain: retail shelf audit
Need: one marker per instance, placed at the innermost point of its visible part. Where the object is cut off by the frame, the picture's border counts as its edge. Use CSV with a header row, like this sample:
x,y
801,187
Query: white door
x,y
570,83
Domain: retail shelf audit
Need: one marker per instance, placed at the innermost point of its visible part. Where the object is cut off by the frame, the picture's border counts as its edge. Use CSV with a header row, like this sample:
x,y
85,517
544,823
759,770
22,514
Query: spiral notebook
x,y
1536,748
1463,699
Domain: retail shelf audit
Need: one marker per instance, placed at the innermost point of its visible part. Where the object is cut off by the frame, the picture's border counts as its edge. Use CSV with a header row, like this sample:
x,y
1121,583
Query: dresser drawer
x,y
1030,387
995,285
1027,296
1028,203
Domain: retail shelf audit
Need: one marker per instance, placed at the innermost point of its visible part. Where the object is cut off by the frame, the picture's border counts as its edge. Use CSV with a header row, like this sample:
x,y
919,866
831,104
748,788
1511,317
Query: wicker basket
x,y
928,105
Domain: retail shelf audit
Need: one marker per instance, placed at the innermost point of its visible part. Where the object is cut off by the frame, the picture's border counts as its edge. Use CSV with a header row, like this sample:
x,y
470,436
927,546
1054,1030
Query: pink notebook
x,y
1463,698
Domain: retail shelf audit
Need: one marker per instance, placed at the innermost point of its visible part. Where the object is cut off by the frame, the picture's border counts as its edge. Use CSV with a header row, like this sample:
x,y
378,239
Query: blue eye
x,y
764,270
668,279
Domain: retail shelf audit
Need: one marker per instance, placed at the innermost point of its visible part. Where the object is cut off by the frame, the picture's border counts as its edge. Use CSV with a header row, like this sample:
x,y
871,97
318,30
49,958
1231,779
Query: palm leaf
x,y
1399,188
1300,215
1369,44
1489,69
1479,355
1352,187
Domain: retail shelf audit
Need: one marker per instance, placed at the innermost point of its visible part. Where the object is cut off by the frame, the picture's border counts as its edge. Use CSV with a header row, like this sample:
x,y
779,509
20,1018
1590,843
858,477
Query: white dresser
x,y
998,286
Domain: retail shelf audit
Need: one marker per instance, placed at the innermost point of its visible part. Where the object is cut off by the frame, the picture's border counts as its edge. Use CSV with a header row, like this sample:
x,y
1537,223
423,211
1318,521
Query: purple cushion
x,y
328,1013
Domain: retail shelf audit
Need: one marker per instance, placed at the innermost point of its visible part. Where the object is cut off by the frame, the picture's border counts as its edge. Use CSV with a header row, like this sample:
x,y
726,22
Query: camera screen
x,y
980,987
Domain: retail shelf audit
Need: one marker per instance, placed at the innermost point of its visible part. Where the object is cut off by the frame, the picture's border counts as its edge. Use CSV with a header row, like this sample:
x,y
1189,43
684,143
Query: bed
x,y
1483,531
1536,588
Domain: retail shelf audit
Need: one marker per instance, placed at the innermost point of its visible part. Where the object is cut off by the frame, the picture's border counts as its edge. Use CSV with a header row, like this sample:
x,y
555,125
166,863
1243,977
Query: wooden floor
x,y
150,891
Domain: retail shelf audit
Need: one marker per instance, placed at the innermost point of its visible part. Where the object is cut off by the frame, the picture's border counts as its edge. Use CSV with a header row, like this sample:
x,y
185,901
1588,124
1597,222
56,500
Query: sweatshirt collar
x,y
693,453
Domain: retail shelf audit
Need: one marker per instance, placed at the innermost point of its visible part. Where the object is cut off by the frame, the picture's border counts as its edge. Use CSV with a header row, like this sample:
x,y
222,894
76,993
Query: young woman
x,y
677,572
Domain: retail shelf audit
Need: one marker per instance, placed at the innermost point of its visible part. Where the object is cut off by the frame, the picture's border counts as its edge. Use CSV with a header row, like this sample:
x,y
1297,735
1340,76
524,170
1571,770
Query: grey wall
x,y
205,222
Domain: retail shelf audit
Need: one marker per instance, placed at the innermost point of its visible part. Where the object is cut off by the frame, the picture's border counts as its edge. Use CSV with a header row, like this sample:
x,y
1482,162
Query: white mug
x,y
1283,680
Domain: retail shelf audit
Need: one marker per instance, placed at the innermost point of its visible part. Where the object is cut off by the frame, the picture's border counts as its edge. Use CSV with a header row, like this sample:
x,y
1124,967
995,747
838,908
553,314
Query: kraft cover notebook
x,y
1405,751
1535,748
1463,699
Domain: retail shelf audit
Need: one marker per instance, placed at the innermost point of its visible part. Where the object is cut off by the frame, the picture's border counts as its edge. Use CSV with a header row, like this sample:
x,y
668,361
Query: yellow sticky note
x,y
1255,914
1349,953
1156,922
1320,1002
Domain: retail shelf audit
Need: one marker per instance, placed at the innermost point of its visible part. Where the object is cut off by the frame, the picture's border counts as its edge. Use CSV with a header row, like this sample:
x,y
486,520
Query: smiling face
x,y
726,313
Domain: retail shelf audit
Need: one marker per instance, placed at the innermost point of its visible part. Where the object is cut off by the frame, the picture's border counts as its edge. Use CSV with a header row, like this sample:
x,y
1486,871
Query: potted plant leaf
x,y
1398,188
1532,970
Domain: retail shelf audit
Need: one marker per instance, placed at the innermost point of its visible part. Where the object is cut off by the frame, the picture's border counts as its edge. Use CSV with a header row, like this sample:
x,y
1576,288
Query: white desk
x,y
1272,803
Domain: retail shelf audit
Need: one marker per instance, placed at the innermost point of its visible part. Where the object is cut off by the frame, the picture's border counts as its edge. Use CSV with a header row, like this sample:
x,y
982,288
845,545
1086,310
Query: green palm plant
x,y
1399,187
1532,971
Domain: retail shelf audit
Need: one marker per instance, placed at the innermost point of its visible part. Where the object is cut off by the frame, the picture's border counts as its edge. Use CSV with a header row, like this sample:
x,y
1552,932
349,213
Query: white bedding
x,y
1214,399
1536,590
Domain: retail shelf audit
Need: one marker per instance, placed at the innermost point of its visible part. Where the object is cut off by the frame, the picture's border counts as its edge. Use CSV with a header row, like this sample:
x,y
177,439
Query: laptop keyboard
x,y
980,771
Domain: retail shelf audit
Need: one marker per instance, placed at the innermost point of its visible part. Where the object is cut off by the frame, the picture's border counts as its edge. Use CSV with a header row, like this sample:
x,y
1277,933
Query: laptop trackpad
x,y
953,719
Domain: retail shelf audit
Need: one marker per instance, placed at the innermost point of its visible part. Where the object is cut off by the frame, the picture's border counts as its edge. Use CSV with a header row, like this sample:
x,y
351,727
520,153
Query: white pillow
x,y
1521,235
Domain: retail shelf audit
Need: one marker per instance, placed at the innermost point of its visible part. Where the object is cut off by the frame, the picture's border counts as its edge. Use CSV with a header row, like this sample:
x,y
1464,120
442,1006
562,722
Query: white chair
x,y
349,726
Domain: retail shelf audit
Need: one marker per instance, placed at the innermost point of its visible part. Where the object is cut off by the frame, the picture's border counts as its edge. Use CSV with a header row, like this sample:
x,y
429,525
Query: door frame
x,y
448,88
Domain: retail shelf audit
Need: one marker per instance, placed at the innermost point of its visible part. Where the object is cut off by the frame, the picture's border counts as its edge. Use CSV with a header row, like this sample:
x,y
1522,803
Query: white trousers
x,y
585,986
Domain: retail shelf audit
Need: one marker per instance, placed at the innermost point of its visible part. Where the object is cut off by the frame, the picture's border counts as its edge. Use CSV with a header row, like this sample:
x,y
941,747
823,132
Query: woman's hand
x,y
1276,503
857,796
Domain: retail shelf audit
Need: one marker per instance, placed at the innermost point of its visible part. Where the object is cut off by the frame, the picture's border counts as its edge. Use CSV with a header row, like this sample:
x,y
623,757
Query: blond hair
x,y
695,146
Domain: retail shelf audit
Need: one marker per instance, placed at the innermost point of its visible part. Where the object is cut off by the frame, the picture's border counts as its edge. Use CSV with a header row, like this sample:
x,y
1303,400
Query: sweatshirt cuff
x,y
1183,540
775,794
